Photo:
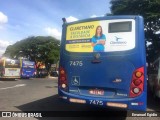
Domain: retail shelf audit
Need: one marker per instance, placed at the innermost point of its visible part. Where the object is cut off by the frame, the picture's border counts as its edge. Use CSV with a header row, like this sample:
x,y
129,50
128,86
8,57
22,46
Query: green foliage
x,y
42,49
149,9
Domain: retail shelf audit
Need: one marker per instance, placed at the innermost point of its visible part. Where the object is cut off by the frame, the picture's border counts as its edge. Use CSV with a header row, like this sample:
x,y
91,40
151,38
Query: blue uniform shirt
x,y
98,47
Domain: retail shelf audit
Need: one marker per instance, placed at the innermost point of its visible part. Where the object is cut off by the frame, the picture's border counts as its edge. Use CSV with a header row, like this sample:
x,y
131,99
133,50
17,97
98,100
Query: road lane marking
x,y
18,85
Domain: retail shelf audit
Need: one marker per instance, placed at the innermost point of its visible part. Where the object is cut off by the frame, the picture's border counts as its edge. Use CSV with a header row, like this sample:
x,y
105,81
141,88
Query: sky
x,y
20,19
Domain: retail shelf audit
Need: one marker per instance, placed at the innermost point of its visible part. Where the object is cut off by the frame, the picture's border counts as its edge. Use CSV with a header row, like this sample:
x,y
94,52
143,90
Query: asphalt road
x,y
40,94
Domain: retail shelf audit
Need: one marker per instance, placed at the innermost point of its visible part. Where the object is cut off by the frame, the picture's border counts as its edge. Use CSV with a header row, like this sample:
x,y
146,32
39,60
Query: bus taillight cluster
x,y
137,83
62,79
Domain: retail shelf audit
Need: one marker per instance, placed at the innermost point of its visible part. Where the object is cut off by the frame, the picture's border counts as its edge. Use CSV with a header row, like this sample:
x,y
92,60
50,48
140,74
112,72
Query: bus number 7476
x,y
76,63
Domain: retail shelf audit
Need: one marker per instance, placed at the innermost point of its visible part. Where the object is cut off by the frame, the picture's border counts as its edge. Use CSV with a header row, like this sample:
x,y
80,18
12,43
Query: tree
x,y
149,9
38,49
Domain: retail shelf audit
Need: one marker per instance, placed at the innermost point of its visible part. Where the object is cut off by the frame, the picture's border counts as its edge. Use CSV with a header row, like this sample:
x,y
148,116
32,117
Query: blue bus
x,y
28,69
103,62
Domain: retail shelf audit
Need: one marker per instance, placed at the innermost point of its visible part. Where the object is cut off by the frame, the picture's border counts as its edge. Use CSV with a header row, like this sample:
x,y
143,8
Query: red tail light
x,y
137,83
63,79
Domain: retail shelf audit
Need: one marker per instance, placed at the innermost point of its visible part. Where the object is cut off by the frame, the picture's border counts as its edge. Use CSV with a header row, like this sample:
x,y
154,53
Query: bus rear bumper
x,y
27,76
11,77
138,103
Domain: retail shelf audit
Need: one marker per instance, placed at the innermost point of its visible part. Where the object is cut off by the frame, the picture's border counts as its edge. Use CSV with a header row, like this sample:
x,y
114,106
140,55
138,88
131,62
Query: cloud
x,y
53,32
3,18
1,52
3,46
149,43
71,19
158,32
93,16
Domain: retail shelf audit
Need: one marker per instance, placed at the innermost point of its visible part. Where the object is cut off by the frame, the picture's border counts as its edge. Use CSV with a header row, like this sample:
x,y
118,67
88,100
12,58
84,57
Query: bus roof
x,y
104,18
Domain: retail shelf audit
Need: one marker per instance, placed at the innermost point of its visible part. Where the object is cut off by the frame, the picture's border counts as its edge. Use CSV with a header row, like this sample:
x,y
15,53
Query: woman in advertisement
x,y
98,40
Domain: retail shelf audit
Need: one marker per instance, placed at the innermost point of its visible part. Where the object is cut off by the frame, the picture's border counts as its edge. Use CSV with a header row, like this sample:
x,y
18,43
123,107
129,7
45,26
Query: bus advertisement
x,y
28,69
103,62
10,68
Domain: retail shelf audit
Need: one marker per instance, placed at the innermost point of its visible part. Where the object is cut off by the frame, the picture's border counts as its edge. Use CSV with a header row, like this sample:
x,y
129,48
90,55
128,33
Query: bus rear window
x,y
28,66
120,27
12,64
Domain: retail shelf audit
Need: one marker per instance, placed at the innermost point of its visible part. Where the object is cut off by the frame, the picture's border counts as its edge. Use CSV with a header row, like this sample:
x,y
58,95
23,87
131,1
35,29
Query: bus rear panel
x,y
10,68
102,62
28,69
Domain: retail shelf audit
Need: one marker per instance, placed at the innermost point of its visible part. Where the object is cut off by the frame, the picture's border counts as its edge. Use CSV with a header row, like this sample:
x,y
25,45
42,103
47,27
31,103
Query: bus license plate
x,y
96,92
